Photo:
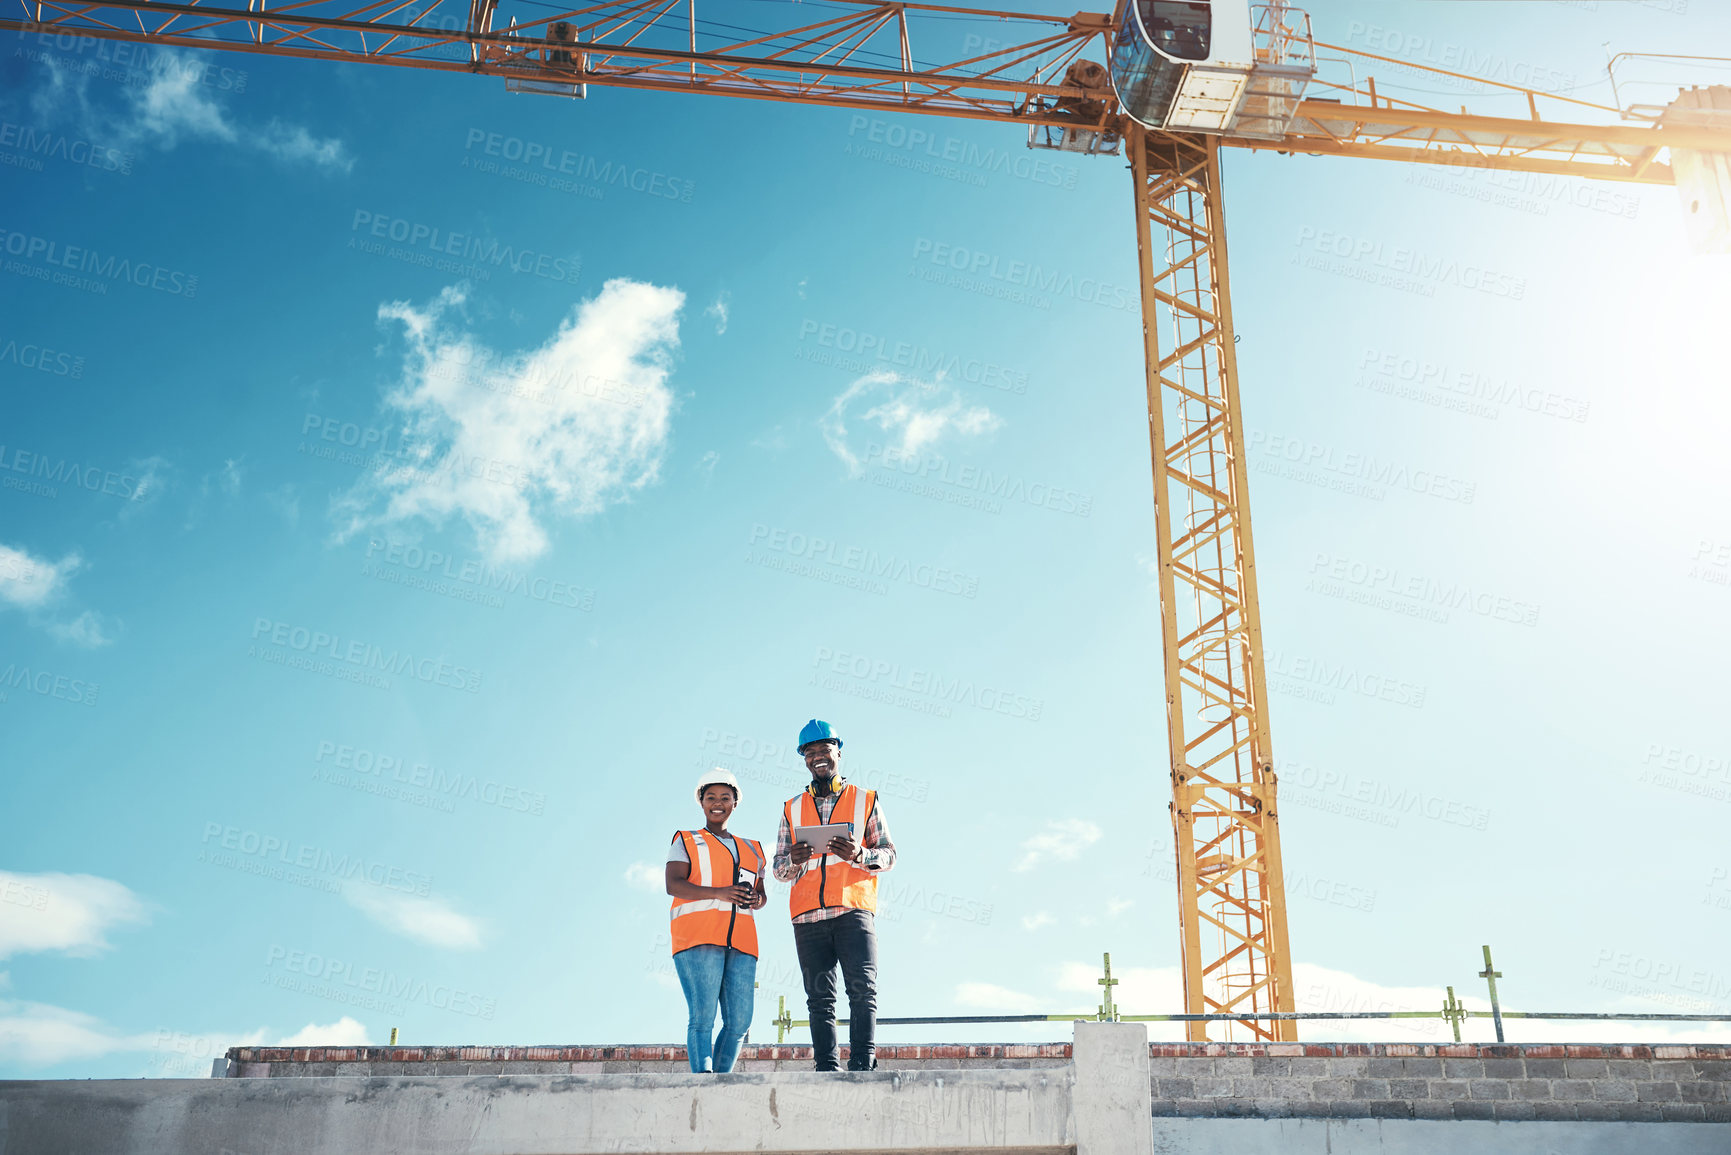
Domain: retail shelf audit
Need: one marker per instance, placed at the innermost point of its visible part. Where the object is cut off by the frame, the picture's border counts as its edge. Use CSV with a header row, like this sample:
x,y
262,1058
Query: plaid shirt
x,y
878,853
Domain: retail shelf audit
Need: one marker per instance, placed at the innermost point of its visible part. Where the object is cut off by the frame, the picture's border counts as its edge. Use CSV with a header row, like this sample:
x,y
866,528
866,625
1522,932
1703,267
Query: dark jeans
x,y
848,939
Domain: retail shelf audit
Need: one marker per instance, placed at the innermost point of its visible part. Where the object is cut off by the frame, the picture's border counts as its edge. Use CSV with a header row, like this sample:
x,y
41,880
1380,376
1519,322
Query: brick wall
x,y
1681,1083
1640,1083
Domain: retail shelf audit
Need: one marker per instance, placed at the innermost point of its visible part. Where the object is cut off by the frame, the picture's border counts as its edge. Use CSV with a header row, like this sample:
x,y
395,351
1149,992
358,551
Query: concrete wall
x,y
1513,1082
1101,1102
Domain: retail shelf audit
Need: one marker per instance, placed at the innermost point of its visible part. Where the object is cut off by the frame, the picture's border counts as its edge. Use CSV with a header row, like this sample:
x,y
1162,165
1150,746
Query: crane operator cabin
x,y
1182,64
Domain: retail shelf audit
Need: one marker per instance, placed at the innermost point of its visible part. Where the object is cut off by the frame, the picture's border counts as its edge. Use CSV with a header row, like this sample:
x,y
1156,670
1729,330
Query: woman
x,y
716,881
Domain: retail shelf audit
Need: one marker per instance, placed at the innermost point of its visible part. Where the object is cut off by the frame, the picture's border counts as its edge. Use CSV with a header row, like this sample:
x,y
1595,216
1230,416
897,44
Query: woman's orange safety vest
x,y
827,880
716,921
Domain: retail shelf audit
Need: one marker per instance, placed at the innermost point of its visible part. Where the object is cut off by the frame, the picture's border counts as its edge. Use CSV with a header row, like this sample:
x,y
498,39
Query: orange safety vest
x,y
715,921
827,880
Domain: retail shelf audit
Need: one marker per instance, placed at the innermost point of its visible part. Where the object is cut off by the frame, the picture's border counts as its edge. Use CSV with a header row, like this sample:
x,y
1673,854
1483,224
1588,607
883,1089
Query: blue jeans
x,y
711,975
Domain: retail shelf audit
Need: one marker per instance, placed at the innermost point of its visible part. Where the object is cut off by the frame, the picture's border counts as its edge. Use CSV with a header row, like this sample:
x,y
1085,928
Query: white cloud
x,y
29,582
1062,839
1036,921
645,876
174,105
989,997
292,142
71,913
707,463
151,481
591,431
428,920
718,310
87,629
39,1034
914,414
33,584
1140,991
345,1032
1160,990
1117,906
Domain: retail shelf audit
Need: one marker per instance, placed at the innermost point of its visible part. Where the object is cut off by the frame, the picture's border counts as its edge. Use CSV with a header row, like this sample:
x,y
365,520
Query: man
x,y
834,897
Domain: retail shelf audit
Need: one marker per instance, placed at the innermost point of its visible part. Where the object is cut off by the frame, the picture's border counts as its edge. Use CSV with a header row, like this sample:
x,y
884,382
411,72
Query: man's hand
x,y
740,895
762,897
800,854
844,848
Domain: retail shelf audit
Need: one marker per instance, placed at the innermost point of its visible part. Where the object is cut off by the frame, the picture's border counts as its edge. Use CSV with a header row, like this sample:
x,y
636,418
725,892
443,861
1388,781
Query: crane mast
x,y
1231,898
1225,814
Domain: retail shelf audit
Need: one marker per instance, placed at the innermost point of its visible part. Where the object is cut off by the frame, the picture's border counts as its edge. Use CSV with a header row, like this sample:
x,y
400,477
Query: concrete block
x,y
1545,1069
1640,1112
1423,1068
1263,1065
1175,1088
1298,1090
1613,1091
1110,1100
1513,1110
1464,1068
1382,1067
1657,1092
1684,1113
1162,1065
1553,1111
1505,1069
1530,1089
1432,1109
1348,1109
1465,1109
1409,1088
1370,1089
1489,1088
1390,1109
1595,1112
1325,1089
1449,1088
1634,1070
1213,1087
1347,1068
1585,1068
1234,1065
1701,1092
1194,1065
1717,1112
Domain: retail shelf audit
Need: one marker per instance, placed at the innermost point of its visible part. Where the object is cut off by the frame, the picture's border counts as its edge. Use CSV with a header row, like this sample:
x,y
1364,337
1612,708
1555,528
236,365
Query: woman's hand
x,y
740,895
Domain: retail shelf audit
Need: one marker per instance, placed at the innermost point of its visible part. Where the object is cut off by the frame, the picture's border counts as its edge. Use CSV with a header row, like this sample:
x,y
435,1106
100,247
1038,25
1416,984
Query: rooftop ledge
x,y
1110,1092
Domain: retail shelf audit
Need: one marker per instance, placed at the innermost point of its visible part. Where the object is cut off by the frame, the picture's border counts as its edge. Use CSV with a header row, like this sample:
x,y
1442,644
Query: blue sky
x,y
714,463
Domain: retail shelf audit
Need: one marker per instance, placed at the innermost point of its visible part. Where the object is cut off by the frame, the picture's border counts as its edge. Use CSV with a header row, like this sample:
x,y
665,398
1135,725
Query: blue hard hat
x,y
816,731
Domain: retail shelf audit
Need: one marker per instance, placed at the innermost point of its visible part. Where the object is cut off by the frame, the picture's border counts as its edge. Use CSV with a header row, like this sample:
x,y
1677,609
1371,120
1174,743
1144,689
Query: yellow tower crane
x,y
1173,82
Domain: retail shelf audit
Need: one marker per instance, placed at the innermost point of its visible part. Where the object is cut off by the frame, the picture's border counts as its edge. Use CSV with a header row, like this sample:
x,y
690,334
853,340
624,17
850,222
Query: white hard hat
x,y
718,776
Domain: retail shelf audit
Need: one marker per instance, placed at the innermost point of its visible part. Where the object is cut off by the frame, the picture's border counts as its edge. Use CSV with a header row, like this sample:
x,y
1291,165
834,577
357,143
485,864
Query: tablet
x,y
818,837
